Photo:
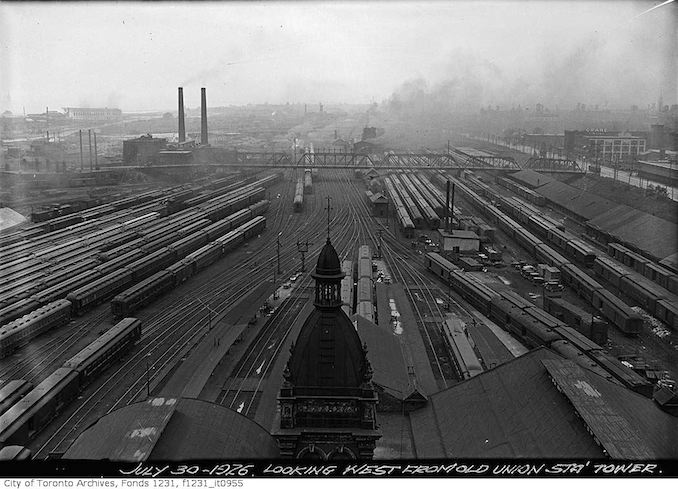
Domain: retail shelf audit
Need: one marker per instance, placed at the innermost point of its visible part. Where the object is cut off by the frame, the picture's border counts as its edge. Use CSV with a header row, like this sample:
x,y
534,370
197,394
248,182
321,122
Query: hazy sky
x,y
134,55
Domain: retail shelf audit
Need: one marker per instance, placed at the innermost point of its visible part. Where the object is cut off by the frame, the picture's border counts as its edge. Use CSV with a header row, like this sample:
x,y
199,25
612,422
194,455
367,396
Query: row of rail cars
x,y
649,269
415,191
347,287
28,415
640,290
298,203
533,326
143,280
404,221
308,181
147,290
364,287
42,279
613,308
101,222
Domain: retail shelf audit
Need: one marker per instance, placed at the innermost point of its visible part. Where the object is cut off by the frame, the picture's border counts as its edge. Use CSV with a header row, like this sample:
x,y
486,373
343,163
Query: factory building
x,y
98,114
142,150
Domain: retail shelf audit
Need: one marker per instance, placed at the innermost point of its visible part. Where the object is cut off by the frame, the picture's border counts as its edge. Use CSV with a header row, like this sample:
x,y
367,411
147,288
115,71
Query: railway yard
x,y
211,274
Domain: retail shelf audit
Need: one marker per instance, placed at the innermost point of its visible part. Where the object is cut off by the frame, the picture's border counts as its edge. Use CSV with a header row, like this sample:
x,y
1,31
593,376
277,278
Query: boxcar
x,y
569,351
617,312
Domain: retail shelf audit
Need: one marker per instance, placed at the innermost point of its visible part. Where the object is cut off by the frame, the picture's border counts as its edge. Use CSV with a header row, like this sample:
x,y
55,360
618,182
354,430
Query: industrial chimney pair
x,y
203,116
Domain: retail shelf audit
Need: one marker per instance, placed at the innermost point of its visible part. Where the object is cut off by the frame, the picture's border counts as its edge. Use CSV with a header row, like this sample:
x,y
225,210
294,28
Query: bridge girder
x,y
537,163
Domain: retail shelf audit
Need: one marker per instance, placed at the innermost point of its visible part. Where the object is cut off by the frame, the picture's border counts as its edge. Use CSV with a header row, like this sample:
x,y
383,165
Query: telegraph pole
x,y
303,248
380,234
278,251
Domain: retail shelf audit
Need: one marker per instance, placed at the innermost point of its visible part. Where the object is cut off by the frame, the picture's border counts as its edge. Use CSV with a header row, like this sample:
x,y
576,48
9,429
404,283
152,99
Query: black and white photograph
x,y
338,239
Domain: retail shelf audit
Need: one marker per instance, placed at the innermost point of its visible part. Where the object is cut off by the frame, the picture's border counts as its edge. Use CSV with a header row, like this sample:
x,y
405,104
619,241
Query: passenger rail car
x,y
28,416
102,352
14,452
461,349
347,288
11,392
39,406
20,331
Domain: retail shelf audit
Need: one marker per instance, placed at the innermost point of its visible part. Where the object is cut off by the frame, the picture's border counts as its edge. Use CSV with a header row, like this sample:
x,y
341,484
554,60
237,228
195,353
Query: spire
x,y
328,208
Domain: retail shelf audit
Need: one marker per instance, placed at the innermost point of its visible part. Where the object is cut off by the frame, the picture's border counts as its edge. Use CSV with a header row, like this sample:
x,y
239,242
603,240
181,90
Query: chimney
x,y
182,127
203,117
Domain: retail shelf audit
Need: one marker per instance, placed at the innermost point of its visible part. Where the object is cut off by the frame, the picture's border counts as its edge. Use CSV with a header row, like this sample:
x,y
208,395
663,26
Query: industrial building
x,y
93,114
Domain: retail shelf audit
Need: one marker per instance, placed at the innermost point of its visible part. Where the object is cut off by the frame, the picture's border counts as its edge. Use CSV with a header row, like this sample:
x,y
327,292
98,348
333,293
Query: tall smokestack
x,y
203,116
182,126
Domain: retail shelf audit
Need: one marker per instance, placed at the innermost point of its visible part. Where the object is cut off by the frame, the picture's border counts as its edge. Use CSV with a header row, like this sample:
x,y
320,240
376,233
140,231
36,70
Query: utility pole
x,y
89,135
96,157
303,248
380,234
278,251
82,164
275,289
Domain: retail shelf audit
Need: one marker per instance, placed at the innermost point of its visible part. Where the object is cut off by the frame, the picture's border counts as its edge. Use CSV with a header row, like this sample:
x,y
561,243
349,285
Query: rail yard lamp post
x,y
278,251
209,313
303,248
148,376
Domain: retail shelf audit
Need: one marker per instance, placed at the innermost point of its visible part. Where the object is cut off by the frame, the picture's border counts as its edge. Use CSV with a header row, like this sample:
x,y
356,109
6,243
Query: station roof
x,y
378,198
9,218
540,405
385,354
577,201
173,429
531,178
653,234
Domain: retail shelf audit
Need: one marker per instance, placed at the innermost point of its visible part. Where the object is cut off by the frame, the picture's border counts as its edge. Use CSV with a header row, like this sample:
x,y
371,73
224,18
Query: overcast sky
x,y
134,55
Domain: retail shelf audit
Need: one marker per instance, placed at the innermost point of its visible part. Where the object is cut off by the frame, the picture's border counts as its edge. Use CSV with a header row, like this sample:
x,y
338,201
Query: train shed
x,y
173,429
396,390
557,410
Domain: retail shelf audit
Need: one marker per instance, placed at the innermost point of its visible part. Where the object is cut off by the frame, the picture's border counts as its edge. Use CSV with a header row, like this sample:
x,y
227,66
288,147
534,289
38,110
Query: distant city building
x,y
96,114
615,147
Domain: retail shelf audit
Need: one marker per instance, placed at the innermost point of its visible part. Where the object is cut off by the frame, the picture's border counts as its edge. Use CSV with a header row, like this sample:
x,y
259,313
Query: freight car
x,y
587,324
535,327
20,331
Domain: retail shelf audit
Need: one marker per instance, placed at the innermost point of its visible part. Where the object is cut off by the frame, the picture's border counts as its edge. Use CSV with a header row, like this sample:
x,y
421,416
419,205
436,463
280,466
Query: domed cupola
x,y
328,277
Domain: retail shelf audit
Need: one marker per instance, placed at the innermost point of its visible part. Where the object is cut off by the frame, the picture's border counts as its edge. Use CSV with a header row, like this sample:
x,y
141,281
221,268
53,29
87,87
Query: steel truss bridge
x,y
454,160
